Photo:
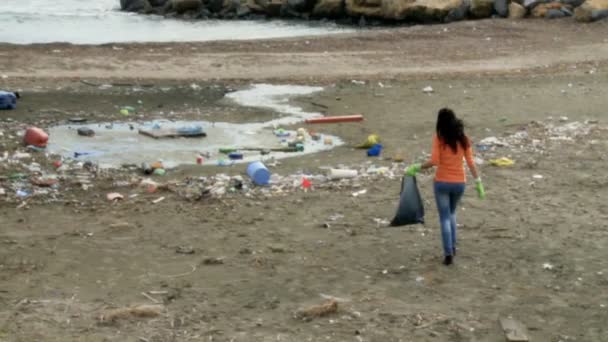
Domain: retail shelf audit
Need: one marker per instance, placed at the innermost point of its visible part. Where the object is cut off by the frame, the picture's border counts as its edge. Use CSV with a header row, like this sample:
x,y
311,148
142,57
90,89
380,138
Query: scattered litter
x,y
77,120
127,110
213,261
36,137
548,266
158,200
306,183
381,222
23,193
8,100
184,250
501,162
342,173
44,181
428,90
538,177
358,82
359,193
258,173
492,141
114,196
21,155
371,140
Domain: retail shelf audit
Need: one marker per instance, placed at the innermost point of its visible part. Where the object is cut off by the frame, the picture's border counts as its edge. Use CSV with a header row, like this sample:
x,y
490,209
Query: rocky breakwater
x,y
364,11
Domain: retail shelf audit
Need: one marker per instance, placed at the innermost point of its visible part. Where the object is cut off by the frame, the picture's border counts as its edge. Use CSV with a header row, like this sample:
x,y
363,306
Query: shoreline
x,y
487,47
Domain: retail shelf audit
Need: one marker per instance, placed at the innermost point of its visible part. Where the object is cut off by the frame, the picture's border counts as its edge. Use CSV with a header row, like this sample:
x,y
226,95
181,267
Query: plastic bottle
x,y
342,173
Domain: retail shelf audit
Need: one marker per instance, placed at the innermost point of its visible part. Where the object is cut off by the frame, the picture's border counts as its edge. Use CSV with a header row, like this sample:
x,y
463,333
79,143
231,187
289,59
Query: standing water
x,y
100,21
115,144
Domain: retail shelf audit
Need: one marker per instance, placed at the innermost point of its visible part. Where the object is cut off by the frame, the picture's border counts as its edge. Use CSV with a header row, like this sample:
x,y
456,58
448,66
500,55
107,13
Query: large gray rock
x,y
133,5
481,8
419,10
181,6
516,11
297,8
592,10
530,4
572,3
554,14
230,6
157,3
459,13
271,8
215,6
501,7
329,9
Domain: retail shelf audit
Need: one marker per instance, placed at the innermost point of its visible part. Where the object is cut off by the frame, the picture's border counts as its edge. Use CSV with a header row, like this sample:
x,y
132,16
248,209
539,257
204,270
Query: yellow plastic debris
x,y
502,162
371,140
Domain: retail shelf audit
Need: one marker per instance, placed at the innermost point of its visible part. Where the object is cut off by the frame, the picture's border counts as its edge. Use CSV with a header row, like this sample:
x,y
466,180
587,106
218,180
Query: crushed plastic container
x,y
258,173
8,100
36,137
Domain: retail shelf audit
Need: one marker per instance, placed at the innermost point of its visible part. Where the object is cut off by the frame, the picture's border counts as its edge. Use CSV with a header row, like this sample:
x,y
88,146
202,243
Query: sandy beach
x,y
238,268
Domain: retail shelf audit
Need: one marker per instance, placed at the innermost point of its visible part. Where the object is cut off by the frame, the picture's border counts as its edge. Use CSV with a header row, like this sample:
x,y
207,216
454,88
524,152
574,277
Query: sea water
x,y
101,21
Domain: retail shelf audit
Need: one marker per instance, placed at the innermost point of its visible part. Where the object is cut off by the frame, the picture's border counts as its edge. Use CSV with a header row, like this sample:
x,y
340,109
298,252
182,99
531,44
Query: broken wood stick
x,y
315,311
138,311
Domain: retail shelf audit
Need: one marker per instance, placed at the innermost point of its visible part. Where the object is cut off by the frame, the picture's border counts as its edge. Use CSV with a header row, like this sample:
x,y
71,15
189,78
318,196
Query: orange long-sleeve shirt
x,y
450,168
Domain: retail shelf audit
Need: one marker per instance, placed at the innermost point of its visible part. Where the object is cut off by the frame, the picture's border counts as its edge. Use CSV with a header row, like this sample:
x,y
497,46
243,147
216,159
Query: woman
x,y
450,146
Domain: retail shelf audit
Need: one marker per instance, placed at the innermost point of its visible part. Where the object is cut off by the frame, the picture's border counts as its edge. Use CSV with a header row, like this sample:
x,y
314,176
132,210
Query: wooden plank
x,y
514,330
165,133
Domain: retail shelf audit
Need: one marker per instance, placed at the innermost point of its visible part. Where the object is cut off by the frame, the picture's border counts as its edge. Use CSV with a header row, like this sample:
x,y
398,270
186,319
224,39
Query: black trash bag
x,y
411,208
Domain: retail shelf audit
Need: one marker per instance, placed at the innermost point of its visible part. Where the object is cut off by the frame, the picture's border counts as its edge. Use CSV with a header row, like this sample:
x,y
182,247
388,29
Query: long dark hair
x,y
450,130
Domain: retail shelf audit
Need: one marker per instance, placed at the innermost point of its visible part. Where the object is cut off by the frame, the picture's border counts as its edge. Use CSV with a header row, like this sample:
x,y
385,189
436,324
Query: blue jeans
x,y
447,196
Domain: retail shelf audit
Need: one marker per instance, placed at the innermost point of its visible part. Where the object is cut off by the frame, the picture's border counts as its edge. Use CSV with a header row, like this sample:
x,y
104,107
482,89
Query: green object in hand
x,y
413,169
479,187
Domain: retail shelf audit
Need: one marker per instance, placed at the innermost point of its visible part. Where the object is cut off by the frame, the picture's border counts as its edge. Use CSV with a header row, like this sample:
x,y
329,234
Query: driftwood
x,y
327,308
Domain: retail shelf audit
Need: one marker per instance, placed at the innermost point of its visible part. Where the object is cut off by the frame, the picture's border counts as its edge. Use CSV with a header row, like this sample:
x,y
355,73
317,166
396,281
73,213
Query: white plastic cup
x,y
342,173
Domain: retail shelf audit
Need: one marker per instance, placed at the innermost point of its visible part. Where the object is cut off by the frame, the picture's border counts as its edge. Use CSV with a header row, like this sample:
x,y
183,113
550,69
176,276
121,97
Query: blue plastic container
x,y
258,172
194,130
235,156
8,100
375,150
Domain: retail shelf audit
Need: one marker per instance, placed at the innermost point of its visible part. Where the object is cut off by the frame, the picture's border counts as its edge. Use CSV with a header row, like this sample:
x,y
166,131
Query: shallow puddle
x,y
116,144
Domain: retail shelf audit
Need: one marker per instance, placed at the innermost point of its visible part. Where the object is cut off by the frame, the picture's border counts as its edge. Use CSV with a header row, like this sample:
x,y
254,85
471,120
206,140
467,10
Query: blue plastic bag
x,y
8,100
